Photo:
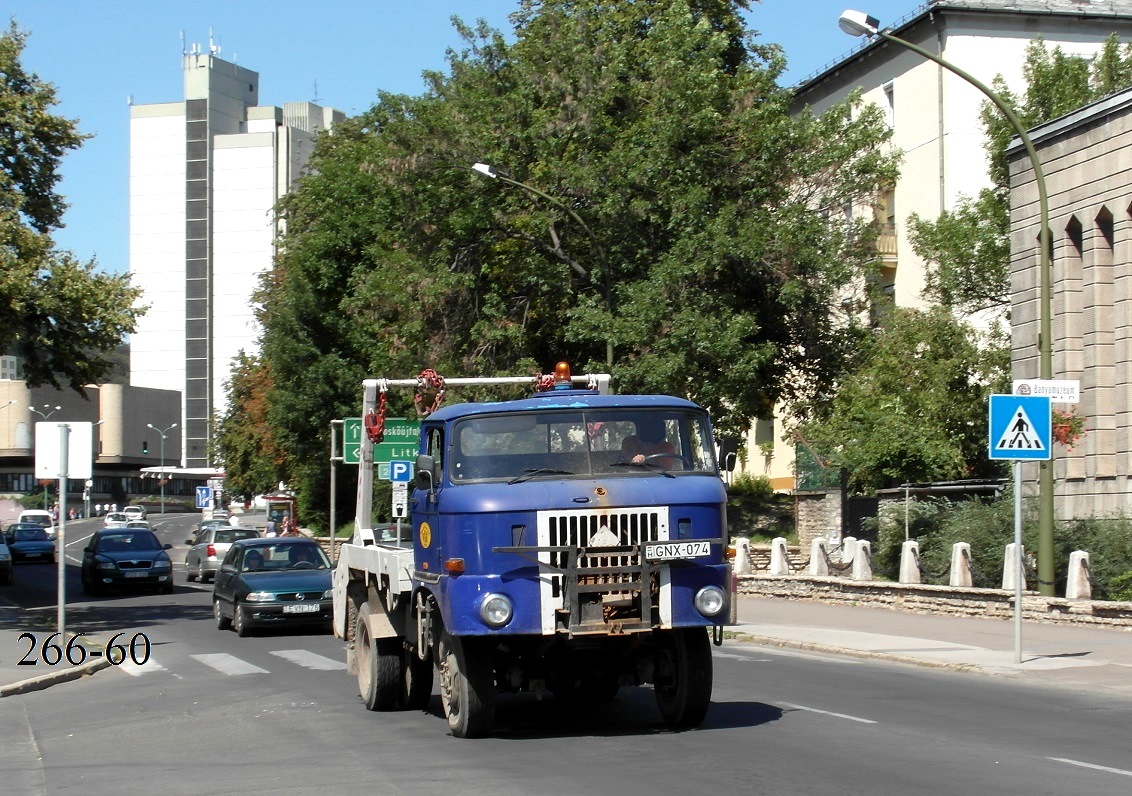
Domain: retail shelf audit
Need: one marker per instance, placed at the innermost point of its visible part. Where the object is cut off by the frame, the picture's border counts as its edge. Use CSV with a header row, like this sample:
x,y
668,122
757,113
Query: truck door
x,y
424,507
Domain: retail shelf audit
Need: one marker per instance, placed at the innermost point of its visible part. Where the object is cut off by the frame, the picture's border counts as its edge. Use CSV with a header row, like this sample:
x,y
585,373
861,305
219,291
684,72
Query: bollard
x,y
779,564
910,562
960,565
1010,569
819,566
742,547
863,560
1079,586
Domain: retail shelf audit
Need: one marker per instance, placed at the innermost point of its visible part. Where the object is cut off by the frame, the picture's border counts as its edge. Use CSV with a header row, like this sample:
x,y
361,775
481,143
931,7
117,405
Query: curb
x,y
53,678
811,646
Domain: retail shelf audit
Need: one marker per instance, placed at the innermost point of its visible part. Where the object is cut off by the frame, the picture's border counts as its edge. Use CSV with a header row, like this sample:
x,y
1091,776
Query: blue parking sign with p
x,y
400,471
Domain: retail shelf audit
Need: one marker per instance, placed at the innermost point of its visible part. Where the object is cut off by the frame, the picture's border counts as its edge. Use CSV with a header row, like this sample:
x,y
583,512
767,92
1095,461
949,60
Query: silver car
x,y
209,547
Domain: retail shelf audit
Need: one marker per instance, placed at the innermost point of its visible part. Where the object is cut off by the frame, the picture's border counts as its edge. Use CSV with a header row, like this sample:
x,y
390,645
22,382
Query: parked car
x,y
126,558
266,582
209,548
29,542
42,518
115,519
135,512
5,563
139,524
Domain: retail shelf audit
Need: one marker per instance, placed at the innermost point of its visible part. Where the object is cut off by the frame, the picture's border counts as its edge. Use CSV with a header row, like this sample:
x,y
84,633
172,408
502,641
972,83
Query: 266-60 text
x,y
52,652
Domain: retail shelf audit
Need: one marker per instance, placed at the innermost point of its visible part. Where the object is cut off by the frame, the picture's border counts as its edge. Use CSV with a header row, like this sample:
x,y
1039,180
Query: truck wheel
x,y
467,688
379,665
416,681
683,676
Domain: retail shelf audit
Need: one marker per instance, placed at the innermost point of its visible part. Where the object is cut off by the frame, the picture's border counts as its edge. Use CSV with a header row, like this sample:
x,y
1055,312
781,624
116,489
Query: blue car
x,y
126,558
30,542
272,582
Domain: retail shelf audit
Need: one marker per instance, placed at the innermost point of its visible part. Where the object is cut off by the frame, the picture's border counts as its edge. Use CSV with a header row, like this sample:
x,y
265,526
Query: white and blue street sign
x,y
1020,427
400,471
204,497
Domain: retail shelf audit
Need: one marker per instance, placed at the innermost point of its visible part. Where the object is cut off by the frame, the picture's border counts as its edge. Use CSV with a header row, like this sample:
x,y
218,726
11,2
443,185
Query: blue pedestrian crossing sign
x,y
1020,427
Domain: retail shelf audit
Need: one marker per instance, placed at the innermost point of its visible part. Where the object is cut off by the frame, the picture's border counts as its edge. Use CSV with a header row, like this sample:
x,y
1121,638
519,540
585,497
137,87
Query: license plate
x,y
301,608
135,574
666,551
32,555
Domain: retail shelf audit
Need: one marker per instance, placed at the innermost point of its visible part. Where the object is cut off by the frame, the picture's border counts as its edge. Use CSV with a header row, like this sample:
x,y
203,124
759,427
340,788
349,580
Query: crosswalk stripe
x,y
228,664
310,660
137,670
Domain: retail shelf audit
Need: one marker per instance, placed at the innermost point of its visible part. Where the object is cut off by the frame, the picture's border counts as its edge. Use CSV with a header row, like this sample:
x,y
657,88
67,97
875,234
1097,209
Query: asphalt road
x,y
210,712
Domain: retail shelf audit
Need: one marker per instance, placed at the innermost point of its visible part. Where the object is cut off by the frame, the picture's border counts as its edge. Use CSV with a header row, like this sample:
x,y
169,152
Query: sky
x,y
103,54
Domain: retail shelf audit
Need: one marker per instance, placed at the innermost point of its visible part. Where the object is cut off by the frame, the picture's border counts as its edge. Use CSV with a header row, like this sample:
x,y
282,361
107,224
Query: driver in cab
x,y
649,443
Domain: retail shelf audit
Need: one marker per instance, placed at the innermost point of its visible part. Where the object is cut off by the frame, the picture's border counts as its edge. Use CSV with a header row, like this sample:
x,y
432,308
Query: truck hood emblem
x,y
604,538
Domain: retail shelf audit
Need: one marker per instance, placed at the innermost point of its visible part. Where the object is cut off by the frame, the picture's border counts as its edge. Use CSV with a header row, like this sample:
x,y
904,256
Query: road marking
x,y
827,713
228,664
311,660
1091,765
137,670
732,656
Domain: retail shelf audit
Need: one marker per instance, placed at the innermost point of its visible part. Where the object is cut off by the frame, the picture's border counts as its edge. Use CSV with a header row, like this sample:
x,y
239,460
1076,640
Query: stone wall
x,y
817,514
944,600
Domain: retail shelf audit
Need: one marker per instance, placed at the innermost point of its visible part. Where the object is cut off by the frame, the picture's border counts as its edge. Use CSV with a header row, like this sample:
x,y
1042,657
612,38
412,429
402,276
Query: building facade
x,y
1086,158
935,120
206,173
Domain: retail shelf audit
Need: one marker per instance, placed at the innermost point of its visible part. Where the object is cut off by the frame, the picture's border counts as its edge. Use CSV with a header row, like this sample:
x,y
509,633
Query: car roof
x,y
265,541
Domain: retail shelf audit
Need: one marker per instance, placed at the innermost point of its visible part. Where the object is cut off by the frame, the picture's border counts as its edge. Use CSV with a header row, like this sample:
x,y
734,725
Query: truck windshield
x,y
537,445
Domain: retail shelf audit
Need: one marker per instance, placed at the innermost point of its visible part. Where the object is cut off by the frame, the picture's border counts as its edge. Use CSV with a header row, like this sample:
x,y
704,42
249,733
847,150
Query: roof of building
x,y
1076,8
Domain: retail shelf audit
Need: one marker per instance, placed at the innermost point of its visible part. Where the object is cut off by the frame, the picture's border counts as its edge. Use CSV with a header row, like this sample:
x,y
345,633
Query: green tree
x,y
254,462
64,317
720,254
914,406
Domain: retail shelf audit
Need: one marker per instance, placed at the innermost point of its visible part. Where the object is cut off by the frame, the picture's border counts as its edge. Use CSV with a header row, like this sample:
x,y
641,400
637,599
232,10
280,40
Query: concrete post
x,y
910,562
742,547
779,564
818,565
863,560
960,566
1079,586
1010,569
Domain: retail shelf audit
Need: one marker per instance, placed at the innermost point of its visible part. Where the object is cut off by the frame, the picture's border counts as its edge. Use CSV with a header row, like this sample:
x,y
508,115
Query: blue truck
x,y
572,542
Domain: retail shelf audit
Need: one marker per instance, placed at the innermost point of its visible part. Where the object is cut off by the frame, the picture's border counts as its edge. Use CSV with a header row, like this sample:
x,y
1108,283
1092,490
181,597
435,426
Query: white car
x,y
41,518
115,519
134,512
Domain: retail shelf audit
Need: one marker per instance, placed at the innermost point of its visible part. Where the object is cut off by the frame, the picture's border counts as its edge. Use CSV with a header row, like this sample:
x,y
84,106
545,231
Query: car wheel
x,y
240,621
168,587
190,576
222,622
89,588
6,579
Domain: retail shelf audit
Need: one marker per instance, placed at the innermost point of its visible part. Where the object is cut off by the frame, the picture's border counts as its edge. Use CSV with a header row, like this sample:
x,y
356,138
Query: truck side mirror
x,y
425,475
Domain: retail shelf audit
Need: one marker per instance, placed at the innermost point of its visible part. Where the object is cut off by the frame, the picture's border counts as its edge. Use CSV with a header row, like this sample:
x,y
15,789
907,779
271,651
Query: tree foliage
x,y
64,317
714,255
914,407
254,464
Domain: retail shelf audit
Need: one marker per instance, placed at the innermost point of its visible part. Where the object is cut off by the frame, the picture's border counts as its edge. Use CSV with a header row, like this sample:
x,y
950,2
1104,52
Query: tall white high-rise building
x,y
205,176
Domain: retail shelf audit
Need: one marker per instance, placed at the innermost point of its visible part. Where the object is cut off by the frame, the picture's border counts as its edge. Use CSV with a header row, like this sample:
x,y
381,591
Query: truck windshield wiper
x,y
533,471
648,465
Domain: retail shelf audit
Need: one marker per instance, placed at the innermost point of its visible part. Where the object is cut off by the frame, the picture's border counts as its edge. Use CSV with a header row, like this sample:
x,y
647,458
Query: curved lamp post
x,y
162,432
45,413
858,23
493,173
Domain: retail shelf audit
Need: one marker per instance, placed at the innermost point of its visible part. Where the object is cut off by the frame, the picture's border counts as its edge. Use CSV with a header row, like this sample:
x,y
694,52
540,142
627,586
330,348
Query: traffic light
x,y
145,446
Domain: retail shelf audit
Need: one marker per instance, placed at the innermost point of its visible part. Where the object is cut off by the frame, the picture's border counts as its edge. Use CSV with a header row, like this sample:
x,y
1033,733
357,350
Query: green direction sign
x,y
400,443
352,440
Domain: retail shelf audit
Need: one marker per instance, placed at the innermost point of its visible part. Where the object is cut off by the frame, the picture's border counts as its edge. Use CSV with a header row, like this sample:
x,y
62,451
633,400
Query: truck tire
x,y
684,676
416,681
467,687
379,665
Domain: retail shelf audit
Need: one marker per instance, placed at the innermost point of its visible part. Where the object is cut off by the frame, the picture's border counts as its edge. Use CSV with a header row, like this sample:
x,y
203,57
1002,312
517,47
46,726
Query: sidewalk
x,y
1081,658
1066,656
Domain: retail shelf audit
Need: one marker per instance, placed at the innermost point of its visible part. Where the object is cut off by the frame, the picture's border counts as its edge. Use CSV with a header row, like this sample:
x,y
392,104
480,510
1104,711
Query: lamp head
x,y
858,23
484,169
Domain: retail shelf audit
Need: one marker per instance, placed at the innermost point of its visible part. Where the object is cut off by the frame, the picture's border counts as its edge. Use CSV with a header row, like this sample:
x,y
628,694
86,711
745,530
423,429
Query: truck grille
x,y
599,580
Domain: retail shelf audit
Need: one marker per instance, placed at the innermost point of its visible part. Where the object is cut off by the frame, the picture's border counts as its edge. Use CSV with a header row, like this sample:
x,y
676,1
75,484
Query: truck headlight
x,y
496,610
710,600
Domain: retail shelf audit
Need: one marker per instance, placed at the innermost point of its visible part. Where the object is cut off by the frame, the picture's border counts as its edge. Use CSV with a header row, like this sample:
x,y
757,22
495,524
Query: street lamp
x,y
45,413
858,23
162,432
493,173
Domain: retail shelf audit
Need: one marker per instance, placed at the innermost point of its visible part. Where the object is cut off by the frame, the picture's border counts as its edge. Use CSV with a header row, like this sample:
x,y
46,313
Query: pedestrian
x,y
270,528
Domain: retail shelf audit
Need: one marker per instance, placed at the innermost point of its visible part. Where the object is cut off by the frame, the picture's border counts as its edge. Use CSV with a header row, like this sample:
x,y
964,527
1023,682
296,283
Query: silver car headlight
x,y
328,594
260,597
710,600
496,610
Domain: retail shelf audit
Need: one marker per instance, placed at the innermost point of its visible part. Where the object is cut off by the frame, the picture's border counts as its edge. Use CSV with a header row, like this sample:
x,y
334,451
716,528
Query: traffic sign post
x,y
1021,429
